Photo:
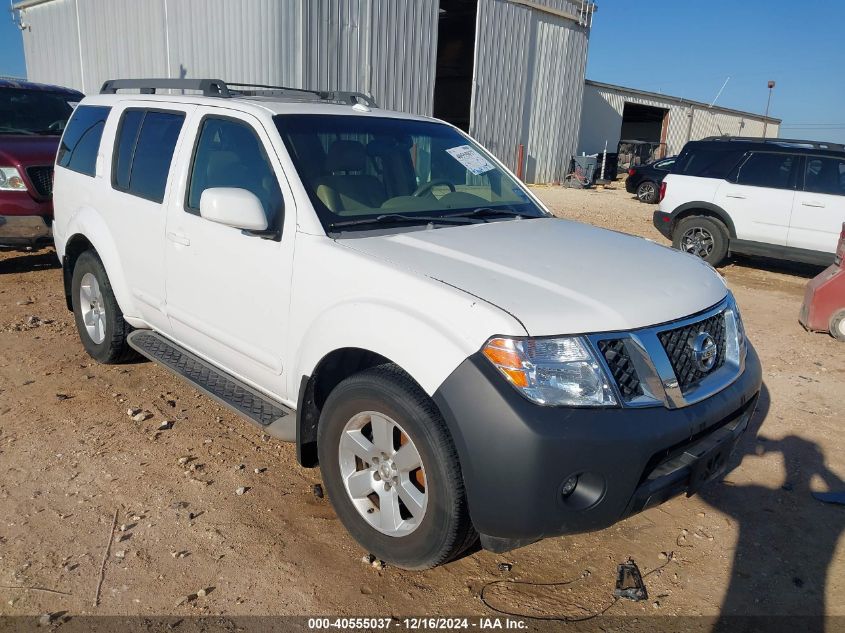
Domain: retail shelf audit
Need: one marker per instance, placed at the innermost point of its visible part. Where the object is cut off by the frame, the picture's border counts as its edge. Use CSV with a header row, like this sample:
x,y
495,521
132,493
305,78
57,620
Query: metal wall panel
x,y
120,38
385,47
51,44
528,85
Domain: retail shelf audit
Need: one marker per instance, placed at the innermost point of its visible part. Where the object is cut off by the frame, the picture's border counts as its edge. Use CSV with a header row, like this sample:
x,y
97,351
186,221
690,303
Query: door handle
x,y
813,203
735,195
178,238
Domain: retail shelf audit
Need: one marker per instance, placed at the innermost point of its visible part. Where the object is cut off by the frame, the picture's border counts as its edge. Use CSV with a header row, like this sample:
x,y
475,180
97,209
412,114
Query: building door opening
x,y
455,59
643,134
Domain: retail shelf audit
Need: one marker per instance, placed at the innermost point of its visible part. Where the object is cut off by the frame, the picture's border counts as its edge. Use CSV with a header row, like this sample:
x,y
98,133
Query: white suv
x,y
380,290
777,198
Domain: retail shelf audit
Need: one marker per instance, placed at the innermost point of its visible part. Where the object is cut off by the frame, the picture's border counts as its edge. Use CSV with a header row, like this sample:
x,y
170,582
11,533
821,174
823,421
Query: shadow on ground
x,y
778,569
24,262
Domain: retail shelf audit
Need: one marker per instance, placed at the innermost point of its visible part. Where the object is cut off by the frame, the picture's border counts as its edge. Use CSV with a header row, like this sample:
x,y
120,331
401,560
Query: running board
x,y
270,416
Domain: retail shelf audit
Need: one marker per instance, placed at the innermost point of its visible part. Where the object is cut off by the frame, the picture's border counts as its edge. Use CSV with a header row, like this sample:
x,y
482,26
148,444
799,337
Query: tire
x,y
106,343
439,529
837,326
704,237
648,191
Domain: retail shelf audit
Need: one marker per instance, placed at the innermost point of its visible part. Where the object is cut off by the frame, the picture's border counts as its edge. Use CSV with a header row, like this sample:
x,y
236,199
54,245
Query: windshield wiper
x,y
397,218
489,212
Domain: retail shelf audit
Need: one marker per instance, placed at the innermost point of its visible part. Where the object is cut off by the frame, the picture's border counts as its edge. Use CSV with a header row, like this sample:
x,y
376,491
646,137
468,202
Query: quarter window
x,y
144,150
825,175
763,169
81,140
230,154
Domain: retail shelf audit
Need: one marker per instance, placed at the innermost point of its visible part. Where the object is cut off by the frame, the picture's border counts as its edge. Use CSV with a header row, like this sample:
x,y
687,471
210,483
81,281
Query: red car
x,y
32,119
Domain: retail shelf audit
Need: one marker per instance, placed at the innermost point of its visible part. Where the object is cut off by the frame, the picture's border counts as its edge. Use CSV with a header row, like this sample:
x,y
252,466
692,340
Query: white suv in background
x,y
377,288
776,198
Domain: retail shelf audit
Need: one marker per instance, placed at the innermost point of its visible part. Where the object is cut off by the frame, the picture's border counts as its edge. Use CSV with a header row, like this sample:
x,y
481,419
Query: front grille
x,y
621,368
42,179
678,345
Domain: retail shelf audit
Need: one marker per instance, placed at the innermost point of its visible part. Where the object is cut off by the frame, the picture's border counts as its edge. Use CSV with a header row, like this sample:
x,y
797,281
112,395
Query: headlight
x,y
10,180
740,326
552,371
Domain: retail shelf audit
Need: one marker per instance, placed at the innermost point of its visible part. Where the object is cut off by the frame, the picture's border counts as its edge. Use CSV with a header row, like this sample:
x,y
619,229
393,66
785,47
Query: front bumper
x,y
516,455
24,230
663,222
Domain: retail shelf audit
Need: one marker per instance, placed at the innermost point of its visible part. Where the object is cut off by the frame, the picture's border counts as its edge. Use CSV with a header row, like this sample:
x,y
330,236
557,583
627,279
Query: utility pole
x,y
768,102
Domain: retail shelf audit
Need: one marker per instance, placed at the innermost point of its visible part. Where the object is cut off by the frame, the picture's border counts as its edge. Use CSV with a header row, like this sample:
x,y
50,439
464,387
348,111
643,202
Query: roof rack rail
x,y
778,141
219,88
336,96
208,87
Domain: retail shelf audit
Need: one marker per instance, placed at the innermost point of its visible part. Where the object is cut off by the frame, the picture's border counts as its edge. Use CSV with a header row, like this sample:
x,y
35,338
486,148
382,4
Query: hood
x,y
23,149
557,276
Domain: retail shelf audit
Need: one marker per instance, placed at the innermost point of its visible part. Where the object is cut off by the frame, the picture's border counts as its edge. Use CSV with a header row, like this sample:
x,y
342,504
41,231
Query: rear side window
x,y
230,154
763,169
144,150
81,140
825,175
707,163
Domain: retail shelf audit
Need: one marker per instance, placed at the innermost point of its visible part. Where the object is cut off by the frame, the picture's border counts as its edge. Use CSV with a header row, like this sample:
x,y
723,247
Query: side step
x,y
272,417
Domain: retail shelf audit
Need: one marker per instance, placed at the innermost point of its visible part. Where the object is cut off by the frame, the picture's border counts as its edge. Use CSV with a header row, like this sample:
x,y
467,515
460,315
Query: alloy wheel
x,y
93,308
698,241
383,474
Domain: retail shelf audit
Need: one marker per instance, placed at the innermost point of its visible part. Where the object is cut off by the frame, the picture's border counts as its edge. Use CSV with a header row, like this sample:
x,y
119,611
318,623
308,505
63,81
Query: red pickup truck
x,y
32,118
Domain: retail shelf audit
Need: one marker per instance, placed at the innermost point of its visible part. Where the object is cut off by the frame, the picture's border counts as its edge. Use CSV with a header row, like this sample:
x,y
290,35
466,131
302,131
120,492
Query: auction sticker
x,y
472,160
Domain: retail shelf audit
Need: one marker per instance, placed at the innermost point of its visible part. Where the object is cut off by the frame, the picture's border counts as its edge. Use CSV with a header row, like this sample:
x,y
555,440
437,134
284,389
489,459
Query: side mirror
x,y
238,208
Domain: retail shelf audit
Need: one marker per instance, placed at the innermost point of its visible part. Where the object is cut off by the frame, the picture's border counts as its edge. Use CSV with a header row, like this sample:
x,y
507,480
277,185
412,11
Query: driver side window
x,y
229,154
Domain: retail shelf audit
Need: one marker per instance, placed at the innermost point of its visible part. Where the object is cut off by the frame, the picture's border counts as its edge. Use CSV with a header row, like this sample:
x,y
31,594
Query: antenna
x,y
719,94
712,103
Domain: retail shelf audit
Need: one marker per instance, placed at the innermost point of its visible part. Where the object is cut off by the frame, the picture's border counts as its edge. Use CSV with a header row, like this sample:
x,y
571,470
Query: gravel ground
x,y
71,457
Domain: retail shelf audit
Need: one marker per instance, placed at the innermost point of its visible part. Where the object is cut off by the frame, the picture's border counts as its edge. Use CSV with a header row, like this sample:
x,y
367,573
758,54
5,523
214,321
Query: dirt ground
x,y
71,457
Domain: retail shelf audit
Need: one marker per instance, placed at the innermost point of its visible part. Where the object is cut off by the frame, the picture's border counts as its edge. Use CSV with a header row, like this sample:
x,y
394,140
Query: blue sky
x,y
688,48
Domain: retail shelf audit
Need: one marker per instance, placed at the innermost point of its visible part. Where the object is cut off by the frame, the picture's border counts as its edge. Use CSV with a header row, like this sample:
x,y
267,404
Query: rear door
x,y
139,163
758,195
228,292
819,209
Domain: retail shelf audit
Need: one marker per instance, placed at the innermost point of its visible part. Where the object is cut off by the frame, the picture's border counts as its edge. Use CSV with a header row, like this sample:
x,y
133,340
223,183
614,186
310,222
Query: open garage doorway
x,y
455,60
643,134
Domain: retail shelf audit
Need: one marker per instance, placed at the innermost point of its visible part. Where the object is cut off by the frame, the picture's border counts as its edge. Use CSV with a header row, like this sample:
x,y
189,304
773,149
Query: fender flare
x,y
87,223
684,210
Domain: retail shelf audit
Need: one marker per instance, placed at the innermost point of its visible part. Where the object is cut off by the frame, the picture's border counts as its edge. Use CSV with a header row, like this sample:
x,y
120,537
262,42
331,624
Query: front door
x,y
758,196
228,292
819,210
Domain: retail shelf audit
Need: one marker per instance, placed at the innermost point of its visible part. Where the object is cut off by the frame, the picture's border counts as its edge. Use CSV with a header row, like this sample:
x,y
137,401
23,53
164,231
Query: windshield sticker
x,y
474,162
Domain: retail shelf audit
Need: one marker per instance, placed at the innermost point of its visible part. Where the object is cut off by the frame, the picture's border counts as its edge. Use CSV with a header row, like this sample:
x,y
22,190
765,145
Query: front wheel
x,y
703,237
391,470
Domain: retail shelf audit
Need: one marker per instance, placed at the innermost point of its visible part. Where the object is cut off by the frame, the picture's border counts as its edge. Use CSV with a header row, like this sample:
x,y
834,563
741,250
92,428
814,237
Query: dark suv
x,y
32,118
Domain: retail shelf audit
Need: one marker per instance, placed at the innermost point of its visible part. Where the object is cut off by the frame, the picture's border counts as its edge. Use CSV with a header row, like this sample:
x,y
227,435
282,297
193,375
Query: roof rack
x,y
208,87
219,88
778,141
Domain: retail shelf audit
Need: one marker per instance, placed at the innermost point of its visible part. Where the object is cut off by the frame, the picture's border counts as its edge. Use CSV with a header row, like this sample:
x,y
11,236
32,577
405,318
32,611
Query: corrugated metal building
x,y
615,113
509,71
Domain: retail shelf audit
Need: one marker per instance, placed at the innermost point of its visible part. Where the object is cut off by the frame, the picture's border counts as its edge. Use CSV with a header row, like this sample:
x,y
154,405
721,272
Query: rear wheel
x,y
99,319
647,192
837,326
391,470
704,237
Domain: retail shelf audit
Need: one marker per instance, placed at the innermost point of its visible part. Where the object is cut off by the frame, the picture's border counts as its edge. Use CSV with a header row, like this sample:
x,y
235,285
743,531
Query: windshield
x,y
24,111
357,168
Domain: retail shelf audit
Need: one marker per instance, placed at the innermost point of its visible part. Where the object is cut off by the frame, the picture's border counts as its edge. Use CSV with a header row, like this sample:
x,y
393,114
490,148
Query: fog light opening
x,y
569,486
